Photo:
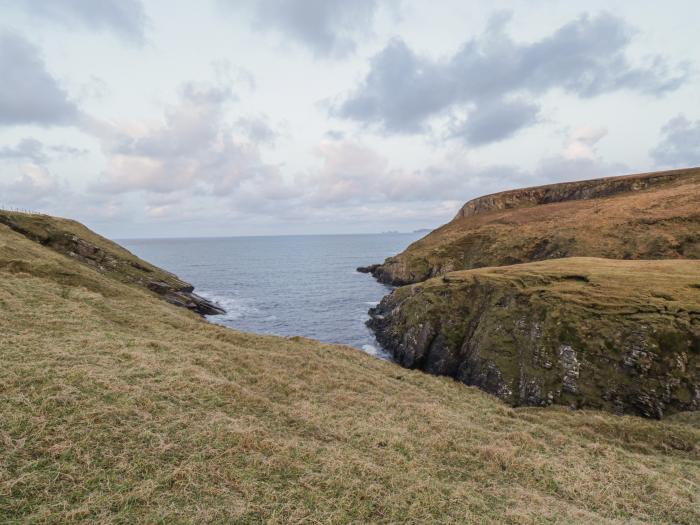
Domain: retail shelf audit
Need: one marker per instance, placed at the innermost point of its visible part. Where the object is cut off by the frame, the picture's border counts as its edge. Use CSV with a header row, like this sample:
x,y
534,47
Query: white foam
x,y
371,350
236,308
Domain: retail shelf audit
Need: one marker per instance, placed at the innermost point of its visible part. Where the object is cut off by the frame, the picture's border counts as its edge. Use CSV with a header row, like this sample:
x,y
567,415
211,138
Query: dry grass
x,y
659,223
119,408
113,259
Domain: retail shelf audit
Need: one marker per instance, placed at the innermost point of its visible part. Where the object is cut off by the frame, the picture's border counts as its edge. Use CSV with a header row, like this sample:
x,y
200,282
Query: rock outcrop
x,y
623,336
74,240
649,216
569,191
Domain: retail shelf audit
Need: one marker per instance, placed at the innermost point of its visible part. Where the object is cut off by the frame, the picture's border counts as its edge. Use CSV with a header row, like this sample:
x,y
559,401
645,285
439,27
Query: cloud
x,y
496,120
192,149
126,18
35,151
33,188
28,92
489,76
582,142
27,148
329,28
680,144
258,129
353,173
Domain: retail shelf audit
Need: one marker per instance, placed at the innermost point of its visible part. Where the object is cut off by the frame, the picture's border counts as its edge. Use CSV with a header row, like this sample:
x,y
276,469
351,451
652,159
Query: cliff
x,y
623,336
571,191
648,216
118,407
76,241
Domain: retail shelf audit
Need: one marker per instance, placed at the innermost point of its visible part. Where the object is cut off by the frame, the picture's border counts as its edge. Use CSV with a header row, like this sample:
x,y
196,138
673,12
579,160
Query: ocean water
x,y
291,285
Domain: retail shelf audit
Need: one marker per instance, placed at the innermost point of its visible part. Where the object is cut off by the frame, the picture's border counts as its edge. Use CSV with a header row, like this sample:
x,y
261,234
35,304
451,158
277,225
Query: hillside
x,y
75,240
117,407
647,216
617,335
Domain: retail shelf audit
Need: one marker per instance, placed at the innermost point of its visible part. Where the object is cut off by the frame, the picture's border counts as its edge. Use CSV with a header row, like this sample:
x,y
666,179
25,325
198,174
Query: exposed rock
x,y
569,191
581,332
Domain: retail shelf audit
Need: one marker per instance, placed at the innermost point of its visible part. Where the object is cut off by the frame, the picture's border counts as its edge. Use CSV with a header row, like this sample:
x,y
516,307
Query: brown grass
x,y
119,408
658,223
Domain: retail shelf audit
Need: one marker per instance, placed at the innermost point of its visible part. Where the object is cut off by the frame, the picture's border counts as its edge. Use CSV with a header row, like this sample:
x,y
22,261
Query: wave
x,y
236,308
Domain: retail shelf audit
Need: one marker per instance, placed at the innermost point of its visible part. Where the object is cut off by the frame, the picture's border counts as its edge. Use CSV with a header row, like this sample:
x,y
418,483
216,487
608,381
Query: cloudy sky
x,y
236,117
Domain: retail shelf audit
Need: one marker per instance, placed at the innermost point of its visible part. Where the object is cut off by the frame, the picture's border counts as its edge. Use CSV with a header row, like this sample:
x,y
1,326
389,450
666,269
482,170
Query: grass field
x,y
116,407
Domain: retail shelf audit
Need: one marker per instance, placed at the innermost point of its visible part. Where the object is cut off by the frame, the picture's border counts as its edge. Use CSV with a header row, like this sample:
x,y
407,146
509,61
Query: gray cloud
x,y
496,120
35,151
26,149
28,92
585,57
326,27
258,129
680,146
126,18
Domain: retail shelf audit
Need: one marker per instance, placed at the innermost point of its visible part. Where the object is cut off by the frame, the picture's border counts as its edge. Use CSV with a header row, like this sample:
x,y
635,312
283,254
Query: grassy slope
x,y
53,231
117,407
658,223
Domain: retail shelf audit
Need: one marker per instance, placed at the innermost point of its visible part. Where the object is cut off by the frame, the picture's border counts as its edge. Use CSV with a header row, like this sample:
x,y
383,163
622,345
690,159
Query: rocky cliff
x,y
648,216
76,241
623,336
570,191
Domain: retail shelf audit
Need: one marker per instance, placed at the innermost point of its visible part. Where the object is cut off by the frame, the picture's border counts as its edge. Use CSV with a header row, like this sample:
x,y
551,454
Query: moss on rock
x,y
585,332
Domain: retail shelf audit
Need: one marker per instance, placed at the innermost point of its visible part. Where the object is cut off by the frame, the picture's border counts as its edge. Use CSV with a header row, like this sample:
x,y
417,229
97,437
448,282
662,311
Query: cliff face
x,y
650,216
74,240
569,191
617,335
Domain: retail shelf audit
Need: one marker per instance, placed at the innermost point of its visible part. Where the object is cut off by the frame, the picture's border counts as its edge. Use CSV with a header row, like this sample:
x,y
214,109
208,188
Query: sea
x,y
284,285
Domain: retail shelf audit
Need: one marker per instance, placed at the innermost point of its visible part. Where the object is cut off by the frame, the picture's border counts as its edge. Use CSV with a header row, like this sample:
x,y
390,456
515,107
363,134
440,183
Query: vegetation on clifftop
x,y
619,335
659,221
116,407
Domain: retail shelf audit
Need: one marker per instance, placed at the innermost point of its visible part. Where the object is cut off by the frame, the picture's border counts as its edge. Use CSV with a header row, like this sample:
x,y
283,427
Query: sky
x,y
155,118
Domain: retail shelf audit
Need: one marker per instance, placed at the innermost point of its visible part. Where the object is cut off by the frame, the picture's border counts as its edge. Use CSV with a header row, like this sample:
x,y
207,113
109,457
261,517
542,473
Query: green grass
x,y
116,407
632,329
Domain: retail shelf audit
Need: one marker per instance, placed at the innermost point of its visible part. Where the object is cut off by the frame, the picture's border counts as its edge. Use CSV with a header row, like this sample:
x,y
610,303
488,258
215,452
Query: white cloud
x,y
582,142
193,149
31,188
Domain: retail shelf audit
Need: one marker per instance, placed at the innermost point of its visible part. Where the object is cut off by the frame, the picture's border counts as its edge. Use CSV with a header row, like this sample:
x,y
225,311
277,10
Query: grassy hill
x,y
584,332
75,240
118,407
648,216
